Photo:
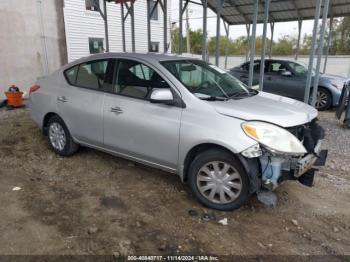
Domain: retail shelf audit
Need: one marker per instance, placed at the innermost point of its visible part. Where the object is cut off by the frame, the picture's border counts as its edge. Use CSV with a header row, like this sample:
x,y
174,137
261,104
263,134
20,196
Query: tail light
x,y
33,89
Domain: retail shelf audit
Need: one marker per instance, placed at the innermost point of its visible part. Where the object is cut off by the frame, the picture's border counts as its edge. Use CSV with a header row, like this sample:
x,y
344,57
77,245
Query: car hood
x,y
267,107
334,79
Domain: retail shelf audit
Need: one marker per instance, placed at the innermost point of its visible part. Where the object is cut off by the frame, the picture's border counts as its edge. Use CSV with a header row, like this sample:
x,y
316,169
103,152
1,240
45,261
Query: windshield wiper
x,y
241,94
213,98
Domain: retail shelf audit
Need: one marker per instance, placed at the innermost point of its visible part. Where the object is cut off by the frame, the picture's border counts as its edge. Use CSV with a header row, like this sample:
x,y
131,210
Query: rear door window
x,y
245,67
71,75
92,74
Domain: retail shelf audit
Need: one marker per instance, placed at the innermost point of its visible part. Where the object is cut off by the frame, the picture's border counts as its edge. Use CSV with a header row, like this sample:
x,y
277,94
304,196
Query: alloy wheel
x,y
57,136
322,99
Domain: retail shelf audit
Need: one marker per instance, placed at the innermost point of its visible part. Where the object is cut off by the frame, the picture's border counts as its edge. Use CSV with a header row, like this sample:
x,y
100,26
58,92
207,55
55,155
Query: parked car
x,y
181,115
288,78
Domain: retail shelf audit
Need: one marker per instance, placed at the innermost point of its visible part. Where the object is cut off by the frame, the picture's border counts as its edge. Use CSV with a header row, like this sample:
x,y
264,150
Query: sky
x,y
195,21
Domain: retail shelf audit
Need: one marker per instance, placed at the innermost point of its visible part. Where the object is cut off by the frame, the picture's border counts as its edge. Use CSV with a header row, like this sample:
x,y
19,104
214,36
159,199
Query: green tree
x,y
285,45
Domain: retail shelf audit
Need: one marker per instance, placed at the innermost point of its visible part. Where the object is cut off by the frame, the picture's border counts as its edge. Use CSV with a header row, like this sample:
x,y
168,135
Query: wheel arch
x,y
325,88
197,149
46,121
250,165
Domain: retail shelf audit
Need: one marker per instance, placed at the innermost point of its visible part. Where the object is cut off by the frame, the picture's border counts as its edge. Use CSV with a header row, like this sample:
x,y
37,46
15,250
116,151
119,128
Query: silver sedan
x,y
181,115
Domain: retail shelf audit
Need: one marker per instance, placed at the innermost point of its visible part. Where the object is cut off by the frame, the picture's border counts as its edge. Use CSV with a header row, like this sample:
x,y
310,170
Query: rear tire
x,y
59,138
323,100
218,180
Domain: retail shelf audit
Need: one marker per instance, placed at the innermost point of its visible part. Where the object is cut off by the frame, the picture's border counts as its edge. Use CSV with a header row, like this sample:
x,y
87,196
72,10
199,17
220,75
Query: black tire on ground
x,y
221,156
326,97
70,147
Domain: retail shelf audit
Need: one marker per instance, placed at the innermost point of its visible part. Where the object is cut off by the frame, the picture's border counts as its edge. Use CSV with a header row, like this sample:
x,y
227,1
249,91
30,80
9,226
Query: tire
x,y
324,99
200,178
59,138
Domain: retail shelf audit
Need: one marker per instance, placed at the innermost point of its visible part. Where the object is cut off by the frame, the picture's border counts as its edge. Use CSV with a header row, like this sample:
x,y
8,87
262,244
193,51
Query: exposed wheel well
x,y
197,150
46,120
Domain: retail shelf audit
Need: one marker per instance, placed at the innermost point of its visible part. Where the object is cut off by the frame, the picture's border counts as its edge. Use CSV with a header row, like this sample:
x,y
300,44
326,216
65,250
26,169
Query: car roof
x,y
151,57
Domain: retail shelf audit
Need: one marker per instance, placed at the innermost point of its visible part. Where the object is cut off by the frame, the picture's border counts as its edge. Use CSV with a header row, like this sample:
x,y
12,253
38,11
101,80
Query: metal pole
x,y
328,43
188,45
149,25
165,20
320,51
227,29
132,26
204,34
123,26
106,24
272,26
247,26
300,24
218,16
252,44
263,47
180,26
312,52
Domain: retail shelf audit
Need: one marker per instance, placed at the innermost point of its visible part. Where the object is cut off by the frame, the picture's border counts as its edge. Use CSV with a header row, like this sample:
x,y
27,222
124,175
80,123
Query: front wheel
x,y
218,180
323,100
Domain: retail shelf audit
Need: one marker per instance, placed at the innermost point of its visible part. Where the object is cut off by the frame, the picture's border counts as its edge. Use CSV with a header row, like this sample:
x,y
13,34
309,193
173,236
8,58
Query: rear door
x,y
134,126
80,102
243,73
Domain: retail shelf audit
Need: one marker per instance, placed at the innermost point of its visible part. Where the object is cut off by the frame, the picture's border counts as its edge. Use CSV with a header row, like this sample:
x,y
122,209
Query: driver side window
x,y
137,80
276,68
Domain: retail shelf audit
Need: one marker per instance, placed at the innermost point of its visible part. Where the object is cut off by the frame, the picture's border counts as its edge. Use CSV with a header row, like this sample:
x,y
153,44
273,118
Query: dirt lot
x,y
94,203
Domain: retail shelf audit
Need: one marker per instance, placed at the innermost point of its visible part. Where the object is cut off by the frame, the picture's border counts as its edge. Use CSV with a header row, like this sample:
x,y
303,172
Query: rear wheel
x,y
59,137
323,100
218,180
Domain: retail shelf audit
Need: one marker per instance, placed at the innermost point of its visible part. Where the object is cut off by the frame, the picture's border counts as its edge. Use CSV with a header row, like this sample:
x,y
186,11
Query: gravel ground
x,y
94,203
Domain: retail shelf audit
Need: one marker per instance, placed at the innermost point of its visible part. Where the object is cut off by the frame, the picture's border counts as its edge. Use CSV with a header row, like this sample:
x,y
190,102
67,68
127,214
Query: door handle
x,y
62,99
116,110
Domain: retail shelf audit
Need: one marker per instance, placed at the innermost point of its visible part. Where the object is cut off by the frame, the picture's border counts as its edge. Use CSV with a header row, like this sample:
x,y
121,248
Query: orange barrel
x,y
14,99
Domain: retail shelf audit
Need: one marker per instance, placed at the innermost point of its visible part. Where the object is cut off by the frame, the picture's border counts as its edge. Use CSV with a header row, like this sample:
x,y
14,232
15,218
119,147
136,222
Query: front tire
x,y
59,138
218,180
323,100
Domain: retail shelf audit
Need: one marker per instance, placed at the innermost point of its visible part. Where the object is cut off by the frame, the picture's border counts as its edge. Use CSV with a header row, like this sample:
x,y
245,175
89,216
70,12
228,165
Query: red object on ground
x,y
14,99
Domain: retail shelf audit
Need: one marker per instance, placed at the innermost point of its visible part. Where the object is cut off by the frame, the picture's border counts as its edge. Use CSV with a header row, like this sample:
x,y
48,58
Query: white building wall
x,y
81,24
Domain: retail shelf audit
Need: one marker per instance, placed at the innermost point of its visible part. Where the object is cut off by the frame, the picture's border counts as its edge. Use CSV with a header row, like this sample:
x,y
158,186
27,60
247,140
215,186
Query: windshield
x,y
300,68
206,80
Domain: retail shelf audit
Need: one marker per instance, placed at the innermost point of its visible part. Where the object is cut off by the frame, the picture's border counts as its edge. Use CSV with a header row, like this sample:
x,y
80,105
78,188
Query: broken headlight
x,y
274,138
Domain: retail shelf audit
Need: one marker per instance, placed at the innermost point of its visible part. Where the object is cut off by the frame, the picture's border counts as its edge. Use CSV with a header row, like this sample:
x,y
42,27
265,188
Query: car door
x,y
280,80
134,126
243,74
81,99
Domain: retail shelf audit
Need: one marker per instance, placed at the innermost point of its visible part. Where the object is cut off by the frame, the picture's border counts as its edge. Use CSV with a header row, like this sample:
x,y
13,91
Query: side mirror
x,y
162,96
286,73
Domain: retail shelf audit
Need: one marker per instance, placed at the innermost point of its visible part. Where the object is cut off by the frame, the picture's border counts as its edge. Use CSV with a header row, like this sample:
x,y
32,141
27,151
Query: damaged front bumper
x,y
278,168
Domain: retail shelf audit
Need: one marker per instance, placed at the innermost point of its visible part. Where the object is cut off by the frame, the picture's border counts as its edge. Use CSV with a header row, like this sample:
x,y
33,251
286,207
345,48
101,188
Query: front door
x,y
134,126
276,81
